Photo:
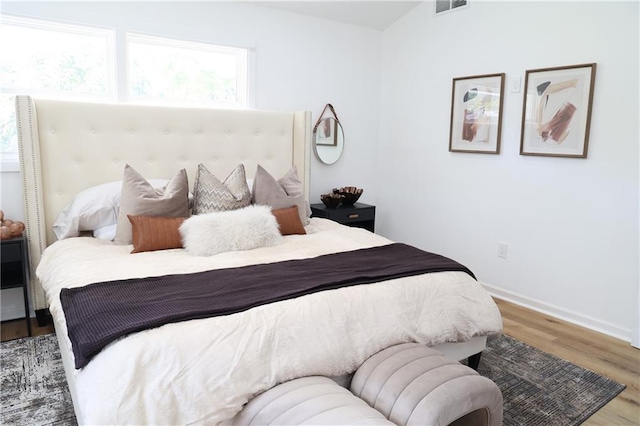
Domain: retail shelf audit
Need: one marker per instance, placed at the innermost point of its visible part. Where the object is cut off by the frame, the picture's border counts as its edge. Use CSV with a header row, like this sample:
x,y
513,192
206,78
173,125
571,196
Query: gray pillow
x,y
271,192
293,187
210,195
140,198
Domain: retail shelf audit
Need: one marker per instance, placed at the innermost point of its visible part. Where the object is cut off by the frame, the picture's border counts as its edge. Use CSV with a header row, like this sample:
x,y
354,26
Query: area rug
x,y
541,389
538,388
33,388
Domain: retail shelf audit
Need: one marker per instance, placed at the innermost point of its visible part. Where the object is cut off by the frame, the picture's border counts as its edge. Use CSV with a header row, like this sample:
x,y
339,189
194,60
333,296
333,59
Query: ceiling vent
x,y
445,6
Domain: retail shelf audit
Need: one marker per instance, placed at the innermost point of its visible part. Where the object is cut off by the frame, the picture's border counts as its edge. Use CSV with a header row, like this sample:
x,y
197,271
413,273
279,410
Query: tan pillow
x,y
268,191
289,221
139,198
155,233
293,186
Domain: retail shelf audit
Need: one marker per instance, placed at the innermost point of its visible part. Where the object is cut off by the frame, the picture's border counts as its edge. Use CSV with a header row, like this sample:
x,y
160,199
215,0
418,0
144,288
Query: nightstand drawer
x,y
11,252
354,215
359,215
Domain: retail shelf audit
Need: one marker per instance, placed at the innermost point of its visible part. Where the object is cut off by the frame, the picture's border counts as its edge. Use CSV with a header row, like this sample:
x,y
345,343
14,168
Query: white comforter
x,y
204,371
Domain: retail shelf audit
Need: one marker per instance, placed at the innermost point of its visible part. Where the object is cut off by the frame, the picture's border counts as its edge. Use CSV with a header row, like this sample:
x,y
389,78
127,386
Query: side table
x,y
14,269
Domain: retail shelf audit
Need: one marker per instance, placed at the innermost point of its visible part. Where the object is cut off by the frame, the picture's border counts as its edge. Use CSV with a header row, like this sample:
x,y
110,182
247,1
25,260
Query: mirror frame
x,y
338,144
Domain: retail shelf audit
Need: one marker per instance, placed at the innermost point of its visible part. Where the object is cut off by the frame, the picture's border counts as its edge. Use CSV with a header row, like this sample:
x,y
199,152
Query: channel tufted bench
x,y
313,400
407,384
411,384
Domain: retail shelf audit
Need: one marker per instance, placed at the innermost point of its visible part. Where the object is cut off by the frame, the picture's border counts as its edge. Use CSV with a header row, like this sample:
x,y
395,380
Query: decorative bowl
x,y
331,200
350,193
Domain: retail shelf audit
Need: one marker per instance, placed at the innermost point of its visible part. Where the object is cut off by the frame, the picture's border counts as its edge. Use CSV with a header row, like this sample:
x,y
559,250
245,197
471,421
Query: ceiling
x,y
371,14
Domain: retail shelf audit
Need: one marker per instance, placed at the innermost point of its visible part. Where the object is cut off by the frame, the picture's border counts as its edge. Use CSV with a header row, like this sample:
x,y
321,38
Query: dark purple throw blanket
x,y
100,313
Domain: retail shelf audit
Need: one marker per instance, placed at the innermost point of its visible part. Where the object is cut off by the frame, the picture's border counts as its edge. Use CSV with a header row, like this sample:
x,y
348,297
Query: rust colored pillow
x,y
155,233
289,221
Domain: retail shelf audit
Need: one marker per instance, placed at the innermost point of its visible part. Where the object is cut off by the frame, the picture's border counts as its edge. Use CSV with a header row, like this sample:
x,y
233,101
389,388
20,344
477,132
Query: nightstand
x,y
358,215
14,269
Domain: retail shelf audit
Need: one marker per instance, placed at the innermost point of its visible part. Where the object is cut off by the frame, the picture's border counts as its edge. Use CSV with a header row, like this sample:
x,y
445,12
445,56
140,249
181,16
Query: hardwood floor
x,y
15,329
597,352
605,355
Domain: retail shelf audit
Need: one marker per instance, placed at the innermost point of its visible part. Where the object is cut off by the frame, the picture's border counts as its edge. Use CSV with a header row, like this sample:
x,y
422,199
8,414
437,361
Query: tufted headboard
x,y
66,147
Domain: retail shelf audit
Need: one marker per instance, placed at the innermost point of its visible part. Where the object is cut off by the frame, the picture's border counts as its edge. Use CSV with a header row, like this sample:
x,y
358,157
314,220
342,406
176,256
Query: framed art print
x,y
327,132
556,114
476,114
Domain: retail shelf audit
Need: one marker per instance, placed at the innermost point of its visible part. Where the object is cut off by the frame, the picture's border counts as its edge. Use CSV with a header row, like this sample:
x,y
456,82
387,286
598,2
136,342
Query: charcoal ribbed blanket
x,y
100,313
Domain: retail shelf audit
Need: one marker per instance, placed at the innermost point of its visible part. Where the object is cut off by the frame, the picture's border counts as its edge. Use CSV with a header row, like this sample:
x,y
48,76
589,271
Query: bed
x,y
205,370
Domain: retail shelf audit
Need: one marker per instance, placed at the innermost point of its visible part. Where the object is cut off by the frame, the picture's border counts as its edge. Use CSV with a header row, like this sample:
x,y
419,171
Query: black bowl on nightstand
x,y
331,200
351,194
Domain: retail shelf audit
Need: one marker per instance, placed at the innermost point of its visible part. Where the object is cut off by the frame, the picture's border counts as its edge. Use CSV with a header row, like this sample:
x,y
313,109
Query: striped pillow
x,y
152,233
289,221
210,195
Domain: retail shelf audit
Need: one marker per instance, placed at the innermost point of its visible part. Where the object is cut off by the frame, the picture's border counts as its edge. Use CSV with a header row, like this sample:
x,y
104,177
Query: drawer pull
x,y
354,216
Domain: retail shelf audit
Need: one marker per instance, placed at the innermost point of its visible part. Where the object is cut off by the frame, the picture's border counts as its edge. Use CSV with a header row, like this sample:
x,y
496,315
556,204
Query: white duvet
x,y
204,371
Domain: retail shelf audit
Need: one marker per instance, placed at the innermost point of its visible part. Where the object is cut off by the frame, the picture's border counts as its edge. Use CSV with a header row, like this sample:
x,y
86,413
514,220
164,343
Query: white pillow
x,y
219,232
107,233
93,208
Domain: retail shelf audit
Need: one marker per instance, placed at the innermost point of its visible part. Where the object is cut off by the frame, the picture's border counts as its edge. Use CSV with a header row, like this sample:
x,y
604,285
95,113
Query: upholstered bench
x,y
411,384
311,400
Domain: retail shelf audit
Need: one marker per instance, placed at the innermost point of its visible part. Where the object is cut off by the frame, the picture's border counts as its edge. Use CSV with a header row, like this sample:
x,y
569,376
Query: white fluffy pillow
x,y
243,229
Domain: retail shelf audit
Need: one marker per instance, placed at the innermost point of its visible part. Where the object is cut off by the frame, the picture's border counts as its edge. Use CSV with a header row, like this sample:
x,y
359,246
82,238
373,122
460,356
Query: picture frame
x,y
556,111
327,132
476,114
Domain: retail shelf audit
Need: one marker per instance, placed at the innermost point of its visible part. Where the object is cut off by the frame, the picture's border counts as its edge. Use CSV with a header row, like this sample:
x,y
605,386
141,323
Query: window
x,y
164,70
47,59
442,6
51,60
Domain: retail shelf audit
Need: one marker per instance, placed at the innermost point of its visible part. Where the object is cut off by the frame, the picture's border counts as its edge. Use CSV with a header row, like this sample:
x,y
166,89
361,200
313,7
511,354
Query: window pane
x,y
161,69
8,136
41,58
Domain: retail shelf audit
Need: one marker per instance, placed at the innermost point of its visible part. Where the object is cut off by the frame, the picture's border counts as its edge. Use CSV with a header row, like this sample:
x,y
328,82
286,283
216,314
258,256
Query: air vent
x,y
445,6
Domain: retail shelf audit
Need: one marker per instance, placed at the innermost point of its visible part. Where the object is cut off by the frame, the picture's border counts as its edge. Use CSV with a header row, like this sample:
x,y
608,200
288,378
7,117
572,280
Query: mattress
x,y
204,371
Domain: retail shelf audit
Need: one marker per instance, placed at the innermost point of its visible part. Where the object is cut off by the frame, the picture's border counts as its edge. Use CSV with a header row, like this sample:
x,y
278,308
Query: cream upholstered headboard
x,y
66,147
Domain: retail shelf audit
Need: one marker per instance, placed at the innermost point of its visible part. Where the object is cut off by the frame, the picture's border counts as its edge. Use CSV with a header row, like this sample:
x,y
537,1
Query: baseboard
x,y
560,313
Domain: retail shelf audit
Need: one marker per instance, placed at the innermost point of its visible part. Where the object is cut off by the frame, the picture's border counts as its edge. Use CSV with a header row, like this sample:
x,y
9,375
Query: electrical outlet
x,y
502,250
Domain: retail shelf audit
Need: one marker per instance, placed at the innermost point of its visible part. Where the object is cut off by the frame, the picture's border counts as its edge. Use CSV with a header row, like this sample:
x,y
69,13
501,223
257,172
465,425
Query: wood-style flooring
x,y
16,329
597,352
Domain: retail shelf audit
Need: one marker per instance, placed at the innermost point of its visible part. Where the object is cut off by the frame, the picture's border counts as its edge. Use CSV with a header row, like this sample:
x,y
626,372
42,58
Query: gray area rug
x,y
33,388
538,388
541,389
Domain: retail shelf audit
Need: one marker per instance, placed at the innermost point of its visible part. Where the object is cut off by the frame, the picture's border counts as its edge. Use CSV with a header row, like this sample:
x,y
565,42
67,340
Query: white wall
x,y
302,63
571,224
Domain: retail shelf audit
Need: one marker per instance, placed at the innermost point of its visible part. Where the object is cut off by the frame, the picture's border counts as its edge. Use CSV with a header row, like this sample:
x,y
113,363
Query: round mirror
x,y
328,140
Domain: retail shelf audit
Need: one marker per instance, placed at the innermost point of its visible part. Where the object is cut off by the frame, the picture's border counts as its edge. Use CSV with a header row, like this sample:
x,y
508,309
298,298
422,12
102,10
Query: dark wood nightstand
x,y
358,215
14,269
